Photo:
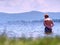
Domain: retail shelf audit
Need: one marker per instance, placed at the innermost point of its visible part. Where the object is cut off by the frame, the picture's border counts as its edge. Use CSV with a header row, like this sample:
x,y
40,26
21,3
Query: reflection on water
x,y
35,29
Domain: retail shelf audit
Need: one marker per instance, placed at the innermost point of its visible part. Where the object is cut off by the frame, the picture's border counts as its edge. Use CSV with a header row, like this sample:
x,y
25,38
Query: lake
x,y
28,29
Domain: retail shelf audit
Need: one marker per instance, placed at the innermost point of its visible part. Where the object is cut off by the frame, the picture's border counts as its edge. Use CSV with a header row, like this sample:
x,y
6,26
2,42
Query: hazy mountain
x,y
27,16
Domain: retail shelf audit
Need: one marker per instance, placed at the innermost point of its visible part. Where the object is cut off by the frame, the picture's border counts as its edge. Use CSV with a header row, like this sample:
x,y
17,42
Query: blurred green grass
x,y
4,40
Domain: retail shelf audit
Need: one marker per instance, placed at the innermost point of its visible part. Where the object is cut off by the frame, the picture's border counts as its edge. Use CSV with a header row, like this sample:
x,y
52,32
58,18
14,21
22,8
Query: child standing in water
x,y
48,23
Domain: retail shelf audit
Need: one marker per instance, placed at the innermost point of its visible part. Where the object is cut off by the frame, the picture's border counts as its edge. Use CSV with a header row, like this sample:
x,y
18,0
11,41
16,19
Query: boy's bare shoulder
x,y
48,19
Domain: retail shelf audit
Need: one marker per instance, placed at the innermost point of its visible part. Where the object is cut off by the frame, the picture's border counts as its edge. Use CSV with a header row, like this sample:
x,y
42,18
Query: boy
x,y
48,23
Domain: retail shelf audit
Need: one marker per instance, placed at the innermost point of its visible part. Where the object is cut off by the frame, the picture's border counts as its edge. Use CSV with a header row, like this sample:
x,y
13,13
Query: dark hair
x,y
46,16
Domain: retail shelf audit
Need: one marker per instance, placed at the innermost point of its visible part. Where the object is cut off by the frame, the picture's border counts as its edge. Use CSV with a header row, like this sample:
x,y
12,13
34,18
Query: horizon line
x,y
27,12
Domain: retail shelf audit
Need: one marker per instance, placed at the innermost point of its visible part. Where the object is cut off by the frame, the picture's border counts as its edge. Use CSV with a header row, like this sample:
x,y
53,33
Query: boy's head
x,y
46,16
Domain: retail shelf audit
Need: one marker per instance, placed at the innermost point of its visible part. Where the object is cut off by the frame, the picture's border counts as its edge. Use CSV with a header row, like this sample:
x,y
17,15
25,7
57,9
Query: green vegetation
x,y
4,40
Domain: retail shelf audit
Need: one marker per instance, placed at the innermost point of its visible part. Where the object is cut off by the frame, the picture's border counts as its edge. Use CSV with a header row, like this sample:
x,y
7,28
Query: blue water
x,y
30,29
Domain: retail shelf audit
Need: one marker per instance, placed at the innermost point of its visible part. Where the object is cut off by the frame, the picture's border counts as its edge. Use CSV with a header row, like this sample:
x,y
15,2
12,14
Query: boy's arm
x,y
45,23
52,24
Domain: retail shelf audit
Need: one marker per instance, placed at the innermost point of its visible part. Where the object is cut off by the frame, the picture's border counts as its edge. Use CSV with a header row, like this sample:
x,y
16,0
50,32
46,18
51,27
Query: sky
x,y
19,6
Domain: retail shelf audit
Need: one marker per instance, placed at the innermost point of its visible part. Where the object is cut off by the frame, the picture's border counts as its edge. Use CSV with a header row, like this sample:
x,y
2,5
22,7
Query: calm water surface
x,y
34,29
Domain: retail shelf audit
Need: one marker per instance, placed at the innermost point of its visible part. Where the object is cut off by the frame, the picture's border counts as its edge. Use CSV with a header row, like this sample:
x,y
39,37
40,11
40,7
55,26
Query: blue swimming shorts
x,y
48,30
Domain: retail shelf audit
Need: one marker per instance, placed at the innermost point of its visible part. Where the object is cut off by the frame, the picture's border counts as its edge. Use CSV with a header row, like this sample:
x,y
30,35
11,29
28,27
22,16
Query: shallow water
x,y
33,29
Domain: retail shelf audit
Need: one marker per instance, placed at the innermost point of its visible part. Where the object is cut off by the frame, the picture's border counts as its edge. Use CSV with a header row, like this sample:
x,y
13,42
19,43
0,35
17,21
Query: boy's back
x,y
48,23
